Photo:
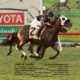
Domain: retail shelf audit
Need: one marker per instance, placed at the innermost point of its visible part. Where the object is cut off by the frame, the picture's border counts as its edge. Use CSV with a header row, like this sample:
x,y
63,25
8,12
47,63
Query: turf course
x,y
69,57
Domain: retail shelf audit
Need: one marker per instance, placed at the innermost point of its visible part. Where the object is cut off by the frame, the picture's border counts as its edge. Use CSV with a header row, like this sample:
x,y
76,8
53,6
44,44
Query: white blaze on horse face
x,y
63,19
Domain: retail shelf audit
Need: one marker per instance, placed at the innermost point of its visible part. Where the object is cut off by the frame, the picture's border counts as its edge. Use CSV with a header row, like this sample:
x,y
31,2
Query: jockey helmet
x,y
50,14
43,8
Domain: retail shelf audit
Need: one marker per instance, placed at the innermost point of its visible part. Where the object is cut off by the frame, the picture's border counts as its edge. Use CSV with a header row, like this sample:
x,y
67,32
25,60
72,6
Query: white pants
x,y
35,26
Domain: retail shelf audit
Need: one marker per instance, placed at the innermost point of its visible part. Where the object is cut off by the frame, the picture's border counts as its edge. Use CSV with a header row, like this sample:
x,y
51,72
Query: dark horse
x,y
49,37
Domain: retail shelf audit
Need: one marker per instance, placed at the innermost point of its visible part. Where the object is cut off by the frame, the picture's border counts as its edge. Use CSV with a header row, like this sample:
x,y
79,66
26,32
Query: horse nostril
x,y
68,20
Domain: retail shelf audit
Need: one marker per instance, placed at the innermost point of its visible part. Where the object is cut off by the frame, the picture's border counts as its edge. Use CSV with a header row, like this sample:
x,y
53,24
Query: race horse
x,y
48,38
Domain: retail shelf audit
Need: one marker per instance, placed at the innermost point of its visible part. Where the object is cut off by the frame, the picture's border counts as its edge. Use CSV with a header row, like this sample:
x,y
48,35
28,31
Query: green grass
x,y
68,56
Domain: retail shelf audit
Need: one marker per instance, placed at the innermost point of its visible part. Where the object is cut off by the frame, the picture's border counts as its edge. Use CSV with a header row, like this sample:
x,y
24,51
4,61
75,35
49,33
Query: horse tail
x,y
10,39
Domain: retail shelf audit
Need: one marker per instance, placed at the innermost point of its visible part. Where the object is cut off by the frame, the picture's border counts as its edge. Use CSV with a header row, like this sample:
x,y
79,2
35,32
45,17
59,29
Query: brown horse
x,y
49,37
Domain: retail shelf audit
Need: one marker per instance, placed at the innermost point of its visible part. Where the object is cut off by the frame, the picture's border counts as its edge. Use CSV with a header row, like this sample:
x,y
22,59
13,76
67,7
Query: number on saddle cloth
x,y
35,26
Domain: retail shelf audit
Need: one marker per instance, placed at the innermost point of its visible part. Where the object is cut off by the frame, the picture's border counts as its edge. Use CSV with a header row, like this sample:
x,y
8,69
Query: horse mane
x,y
55,20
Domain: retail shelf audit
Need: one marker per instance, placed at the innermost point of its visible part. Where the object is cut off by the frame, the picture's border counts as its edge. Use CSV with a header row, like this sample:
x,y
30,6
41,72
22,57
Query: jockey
x,y
36,25
49,17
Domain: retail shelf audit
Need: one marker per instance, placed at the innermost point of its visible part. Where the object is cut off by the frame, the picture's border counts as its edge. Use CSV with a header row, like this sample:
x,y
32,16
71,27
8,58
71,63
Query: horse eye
x,y
63,18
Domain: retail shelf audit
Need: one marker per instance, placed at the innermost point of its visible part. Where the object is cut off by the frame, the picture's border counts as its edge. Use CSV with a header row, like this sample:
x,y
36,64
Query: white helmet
x,y
62,1
43,8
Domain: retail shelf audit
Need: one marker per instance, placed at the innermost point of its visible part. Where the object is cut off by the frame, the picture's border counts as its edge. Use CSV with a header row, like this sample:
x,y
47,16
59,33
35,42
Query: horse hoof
x,y
8,54
25,57
32,56
36,57
52,57
30,50
22,56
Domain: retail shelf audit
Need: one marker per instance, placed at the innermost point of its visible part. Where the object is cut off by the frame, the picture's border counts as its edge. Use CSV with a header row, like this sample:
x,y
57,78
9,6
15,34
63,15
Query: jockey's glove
x,y
47,24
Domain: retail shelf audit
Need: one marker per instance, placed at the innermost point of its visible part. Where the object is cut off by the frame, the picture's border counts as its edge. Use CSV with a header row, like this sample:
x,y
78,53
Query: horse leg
x,y
20,48
17,45
30,48
34,53
23,54
10,46
10,49
10,41
56,49
40,52
20,44
59,45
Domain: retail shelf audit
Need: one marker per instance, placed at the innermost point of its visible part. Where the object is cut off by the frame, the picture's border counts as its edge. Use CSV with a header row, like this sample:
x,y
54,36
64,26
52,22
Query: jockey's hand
x,y
47,24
